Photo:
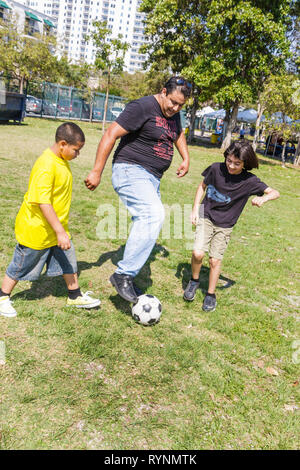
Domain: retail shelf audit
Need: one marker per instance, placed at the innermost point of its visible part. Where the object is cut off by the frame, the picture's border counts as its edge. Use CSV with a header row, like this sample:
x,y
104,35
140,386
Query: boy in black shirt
x,y
227,187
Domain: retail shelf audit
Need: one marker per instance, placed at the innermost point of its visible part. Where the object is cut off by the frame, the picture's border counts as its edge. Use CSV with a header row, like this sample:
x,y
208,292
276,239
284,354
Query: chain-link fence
x,y
45,99
58,101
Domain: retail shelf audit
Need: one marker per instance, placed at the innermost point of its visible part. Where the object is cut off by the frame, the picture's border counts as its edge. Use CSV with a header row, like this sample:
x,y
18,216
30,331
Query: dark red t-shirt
x,y
151,136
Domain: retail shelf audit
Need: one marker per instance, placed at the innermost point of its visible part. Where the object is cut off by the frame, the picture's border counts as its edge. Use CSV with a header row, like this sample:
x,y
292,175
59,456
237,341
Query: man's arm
x,y
182,148
106,144
63,241
269,195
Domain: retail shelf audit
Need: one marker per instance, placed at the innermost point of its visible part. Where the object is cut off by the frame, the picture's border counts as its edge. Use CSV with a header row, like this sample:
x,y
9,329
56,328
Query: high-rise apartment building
x,y
74,18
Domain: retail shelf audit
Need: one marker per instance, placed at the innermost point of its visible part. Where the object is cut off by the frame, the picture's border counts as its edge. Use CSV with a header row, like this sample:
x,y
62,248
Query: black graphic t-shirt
x,y
151,136
226,194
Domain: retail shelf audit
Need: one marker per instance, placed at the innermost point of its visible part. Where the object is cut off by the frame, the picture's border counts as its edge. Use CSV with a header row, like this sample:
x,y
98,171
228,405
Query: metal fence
x,y
45,99
58,101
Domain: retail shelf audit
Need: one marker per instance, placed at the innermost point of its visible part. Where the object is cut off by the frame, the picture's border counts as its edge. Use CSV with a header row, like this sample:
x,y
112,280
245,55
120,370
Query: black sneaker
x,y
190,290
209,303
124,286
137,290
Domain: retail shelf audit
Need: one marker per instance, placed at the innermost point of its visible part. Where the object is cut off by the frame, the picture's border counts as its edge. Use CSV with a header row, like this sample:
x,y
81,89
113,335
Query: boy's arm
x,y
269,195
198,198
49,213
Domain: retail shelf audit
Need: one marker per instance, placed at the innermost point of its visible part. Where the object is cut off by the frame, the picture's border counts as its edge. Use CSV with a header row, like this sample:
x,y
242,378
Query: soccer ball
x,y
147,310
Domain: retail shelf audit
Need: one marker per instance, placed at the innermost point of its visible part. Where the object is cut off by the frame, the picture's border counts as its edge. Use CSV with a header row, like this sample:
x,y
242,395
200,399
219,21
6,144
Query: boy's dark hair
x,y
70,132
184,86
244,151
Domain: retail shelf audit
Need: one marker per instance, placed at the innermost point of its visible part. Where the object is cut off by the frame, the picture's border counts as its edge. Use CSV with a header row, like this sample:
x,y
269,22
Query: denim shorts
x,y
27,264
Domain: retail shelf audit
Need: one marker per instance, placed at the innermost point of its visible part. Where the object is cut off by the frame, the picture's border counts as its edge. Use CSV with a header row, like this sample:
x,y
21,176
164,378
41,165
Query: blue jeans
x,y
139,191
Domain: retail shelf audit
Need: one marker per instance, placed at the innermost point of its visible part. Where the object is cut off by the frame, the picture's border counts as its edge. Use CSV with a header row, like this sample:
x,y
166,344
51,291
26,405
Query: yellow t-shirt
x,y
50,182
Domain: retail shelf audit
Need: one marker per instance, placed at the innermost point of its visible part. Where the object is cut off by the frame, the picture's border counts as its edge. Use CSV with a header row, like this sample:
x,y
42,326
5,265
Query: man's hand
x,y
182,169
63,241
93,180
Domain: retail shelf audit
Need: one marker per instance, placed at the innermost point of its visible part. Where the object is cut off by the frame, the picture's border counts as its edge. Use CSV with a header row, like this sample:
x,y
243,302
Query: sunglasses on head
x,y
180,82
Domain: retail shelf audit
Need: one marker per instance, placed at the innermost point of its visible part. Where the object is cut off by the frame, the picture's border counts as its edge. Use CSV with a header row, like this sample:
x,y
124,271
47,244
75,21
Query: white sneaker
x,y
84,301
6,308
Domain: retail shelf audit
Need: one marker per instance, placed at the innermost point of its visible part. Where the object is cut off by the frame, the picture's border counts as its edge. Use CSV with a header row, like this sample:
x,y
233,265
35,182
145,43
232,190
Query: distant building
x,y
73,20
29,21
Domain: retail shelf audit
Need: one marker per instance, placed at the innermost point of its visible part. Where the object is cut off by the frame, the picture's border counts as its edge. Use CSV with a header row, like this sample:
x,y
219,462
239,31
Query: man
x,y
148,127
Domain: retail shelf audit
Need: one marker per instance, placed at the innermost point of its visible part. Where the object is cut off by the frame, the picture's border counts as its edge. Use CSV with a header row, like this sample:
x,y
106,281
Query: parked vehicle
x,y
49,108
116,110
97,114
63,108
33,104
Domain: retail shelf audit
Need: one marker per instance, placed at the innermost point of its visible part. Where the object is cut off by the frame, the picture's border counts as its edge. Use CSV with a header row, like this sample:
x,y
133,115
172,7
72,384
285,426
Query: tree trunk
x,y
260,110
22,85
106,102
283,154
297,154
193,118
231,123
91,106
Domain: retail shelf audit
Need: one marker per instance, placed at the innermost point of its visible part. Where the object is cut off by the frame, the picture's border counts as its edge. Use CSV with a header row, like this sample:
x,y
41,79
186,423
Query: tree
x,y
110,53
26,57
227,48
281,94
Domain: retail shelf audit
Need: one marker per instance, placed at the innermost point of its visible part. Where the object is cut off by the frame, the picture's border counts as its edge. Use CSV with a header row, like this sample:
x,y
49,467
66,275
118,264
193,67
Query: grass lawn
x,y
76,379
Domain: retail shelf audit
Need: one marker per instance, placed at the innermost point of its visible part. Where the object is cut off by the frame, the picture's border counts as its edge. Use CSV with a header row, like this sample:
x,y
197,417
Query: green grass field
x,y
76,379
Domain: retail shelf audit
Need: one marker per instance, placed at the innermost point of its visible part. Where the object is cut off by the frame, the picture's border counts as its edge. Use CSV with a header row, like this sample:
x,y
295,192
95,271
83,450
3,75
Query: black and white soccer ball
x,y
147,310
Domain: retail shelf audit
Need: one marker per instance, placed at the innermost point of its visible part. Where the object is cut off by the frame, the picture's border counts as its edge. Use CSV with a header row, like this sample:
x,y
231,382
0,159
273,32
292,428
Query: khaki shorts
x,y
212,239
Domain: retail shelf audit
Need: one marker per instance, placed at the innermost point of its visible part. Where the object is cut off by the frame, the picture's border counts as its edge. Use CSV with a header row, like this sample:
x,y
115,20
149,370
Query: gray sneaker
x,y
190,290
209,303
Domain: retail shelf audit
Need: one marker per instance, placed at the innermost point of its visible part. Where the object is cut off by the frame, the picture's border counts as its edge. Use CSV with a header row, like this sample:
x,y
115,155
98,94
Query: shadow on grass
x,y
184,272
43,287
143,280
56,286
9,123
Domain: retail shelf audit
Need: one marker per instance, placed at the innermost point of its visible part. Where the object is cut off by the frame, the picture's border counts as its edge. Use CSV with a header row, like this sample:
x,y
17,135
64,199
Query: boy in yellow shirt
x,y
41,225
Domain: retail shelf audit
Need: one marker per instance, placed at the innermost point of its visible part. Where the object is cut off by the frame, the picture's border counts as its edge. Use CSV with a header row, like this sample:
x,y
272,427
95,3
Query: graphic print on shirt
x,y
215,195
164,146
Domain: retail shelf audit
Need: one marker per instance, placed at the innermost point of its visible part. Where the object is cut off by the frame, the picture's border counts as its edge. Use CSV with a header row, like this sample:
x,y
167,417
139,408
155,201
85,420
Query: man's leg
x,y
139,191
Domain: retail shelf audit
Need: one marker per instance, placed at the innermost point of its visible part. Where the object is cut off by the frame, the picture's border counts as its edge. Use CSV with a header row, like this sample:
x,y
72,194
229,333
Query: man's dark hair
x,y
244,151
179,83
70,132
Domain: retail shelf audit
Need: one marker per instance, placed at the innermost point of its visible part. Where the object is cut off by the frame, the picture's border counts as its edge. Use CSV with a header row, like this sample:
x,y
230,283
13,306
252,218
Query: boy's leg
x,y
218,246
72,281
210,301
190,290
197,258
203,234
214,274
7,285
6,308
26,264
63,262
